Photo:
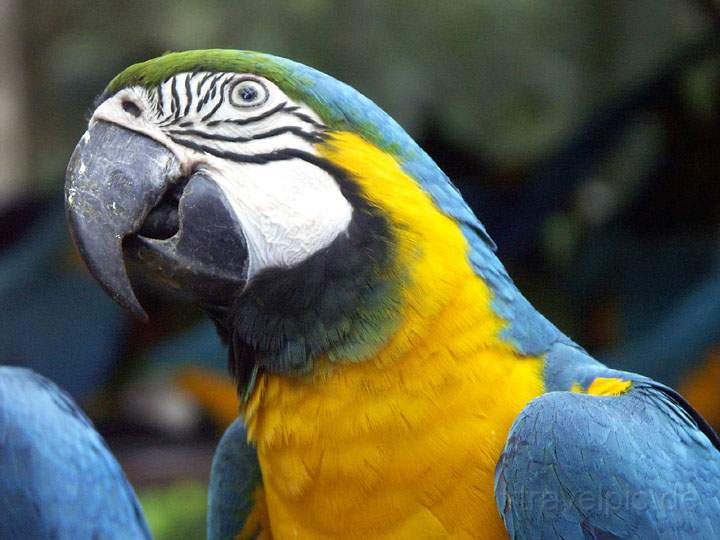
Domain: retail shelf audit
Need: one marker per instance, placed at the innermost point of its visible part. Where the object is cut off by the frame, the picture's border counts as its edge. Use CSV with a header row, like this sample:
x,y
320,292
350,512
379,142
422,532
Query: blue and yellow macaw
x,y
394,382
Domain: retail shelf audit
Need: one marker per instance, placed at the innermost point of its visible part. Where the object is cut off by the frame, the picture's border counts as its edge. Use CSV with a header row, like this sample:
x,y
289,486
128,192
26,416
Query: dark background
x,y
585,134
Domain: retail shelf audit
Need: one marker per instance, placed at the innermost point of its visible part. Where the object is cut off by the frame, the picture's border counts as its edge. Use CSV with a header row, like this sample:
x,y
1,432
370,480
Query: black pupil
x,y
248,93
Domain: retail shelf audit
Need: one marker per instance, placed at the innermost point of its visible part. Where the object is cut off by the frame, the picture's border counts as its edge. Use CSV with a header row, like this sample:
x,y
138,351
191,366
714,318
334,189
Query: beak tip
x,y
116,284
134,307
103,257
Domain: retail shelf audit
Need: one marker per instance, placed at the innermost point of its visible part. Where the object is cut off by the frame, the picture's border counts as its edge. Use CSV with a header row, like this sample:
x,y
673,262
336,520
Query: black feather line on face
x,y
175,102
250,120
287,317
202,83
221,100
188,94
299,132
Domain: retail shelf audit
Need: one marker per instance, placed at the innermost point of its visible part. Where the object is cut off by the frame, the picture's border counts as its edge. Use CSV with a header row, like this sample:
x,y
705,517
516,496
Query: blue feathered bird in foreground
x,y
58,479
394,381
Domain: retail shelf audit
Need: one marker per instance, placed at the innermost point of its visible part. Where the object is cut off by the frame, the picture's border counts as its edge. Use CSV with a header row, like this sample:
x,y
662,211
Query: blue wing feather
x,y
234,476
57,477
639,465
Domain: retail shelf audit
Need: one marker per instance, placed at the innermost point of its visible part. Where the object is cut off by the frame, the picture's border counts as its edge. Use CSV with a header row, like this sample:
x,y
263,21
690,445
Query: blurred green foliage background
x,y
585,133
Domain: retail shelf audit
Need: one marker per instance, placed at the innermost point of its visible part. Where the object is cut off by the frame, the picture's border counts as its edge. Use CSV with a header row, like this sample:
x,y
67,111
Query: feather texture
x,y
394,428
57,477
638,465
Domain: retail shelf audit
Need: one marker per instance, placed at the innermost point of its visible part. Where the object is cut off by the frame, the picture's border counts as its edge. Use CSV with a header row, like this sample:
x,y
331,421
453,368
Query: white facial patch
x,y
288,209
233,126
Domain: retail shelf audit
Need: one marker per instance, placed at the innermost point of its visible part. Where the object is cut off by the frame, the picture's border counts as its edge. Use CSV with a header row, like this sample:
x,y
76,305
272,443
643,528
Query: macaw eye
x,y
248,93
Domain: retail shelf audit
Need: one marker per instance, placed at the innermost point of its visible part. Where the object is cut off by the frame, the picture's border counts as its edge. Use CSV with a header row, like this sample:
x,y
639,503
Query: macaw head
x,y
288,205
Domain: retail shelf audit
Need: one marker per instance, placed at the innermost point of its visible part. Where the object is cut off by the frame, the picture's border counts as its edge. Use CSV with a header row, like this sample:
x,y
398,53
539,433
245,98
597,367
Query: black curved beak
x,y
125,195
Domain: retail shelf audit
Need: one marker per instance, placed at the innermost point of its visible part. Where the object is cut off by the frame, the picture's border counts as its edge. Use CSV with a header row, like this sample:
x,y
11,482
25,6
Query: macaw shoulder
x,y
617,455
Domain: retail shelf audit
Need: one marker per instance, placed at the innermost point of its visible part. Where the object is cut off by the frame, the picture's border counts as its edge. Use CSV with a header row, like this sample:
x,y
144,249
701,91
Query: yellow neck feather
x,y
402,444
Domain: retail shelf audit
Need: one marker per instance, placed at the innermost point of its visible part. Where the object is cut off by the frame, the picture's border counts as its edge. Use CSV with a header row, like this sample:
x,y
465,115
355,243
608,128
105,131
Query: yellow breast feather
x,y
403,444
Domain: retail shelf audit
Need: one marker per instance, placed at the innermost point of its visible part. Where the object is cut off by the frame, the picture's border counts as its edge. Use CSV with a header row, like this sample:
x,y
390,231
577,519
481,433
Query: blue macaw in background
x,y
680,333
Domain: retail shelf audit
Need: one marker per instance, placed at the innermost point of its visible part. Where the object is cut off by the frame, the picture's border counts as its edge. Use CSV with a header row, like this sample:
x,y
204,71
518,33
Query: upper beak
x,y
117,184
114,178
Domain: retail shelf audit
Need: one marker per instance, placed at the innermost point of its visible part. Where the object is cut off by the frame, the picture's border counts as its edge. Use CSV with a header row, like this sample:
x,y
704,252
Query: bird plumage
x,y
629,460
57,477
386,374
